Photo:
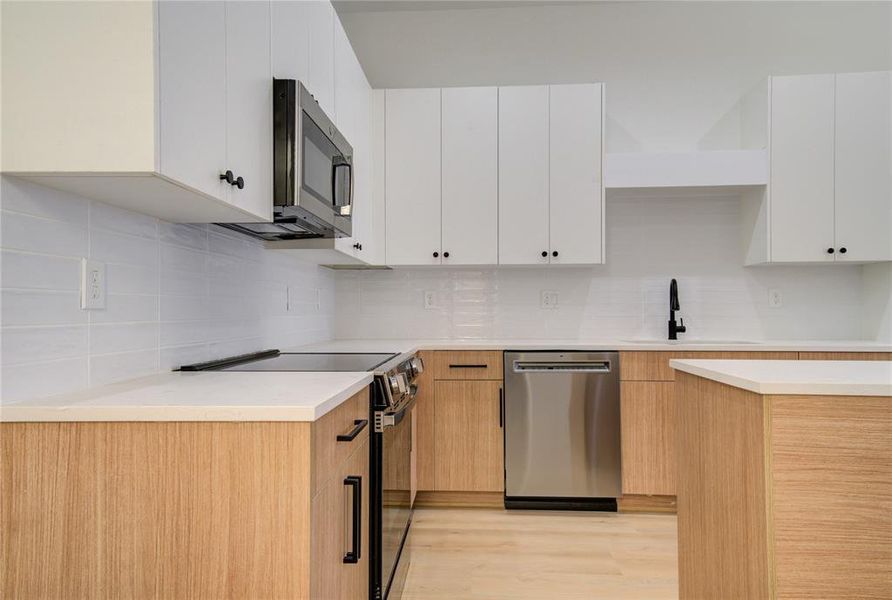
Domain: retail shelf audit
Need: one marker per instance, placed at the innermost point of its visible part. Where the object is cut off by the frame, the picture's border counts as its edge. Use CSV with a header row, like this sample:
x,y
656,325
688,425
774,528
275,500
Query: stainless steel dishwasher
x,y
562,430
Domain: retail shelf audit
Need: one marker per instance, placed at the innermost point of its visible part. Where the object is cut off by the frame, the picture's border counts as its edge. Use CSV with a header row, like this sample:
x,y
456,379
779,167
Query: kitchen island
x,y
784,479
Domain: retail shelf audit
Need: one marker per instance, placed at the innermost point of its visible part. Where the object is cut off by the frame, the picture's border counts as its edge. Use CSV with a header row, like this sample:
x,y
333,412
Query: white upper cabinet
x,y
802,155
290,44
829,197
249,102
576,200
155,109
523,175
192,66
470,202
863,190
320,34
412,175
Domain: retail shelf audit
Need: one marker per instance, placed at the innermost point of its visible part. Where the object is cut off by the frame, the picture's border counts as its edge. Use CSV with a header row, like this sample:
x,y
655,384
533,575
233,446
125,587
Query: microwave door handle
x,y
342,209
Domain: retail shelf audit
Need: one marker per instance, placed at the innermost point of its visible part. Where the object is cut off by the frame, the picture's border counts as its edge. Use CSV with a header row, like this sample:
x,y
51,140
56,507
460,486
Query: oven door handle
x,y
395,418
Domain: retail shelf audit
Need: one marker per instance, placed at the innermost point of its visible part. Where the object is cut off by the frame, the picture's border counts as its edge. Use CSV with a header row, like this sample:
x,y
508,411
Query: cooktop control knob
x,y
416,365
398,384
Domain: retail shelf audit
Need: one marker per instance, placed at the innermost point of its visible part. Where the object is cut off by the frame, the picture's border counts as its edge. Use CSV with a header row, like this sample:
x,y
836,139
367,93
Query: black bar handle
x,y
355,481
358,425
468,366
501,407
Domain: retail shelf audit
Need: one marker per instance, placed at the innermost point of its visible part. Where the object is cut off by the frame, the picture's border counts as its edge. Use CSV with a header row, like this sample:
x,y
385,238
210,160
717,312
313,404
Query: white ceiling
x,y
672,68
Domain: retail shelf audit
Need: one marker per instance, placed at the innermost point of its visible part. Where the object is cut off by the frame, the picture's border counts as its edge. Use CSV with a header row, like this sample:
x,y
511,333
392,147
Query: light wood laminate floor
x,y
491,554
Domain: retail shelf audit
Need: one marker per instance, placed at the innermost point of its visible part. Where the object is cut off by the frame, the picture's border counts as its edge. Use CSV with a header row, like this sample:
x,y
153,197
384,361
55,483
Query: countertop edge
x,y
782,388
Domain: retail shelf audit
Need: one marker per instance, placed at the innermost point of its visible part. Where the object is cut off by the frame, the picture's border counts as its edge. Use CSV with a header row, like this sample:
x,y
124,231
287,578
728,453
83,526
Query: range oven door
x,y
392,499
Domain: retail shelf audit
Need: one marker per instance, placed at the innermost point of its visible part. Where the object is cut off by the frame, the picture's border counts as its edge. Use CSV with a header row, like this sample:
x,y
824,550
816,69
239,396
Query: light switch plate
x,y
775,299
92,284
429,301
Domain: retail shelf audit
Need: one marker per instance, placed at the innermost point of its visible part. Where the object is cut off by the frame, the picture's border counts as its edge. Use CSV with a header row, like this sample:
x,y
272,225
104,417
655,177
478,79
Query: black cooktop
x,y
273,360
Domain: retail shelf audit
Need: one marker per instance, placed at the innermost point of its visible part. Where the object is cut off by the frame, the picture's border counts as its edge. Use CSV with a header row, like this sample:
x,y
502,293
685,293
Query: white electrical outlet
x,y
429,302
92,284
775,299
548,300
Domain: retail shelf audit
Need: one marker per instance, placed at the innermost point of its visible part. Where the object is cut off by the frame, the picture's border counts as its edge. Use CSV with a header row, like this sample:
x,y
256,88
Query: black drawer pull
x,y
501,408
468,366
358,425
355,481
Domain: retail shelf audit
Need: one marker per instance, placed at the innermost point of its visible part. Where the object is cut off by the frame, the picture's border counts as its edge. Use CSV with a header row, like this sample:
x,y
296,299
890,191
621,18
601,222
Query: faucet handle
x,y
681,328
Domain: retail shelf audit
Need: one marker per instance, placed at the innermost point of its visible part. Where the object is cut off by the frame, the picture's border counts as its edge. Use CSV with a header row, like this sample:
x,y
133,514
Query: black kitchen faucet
x,y
674,329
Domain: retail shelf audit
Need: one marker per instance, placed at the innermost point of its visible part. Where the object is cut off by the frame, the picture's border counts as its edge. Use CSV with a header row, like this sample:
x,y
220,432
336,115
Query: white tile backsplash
x,y
176,294
650,240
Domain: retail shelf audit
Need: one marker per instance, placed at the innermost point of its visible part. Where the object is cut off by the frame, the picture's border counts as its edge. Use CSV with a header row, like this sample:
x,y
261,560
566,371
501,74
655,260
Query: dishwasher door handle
x,y
597,367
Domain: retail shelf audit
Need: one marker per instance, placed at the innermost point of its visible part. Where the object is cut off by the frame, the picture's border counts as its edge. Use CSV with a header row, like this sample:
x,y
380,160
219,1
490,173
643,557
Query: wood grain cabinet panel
x,y
467,364
845,356
423,426
654,365
332,535
328,452
648,437
468,437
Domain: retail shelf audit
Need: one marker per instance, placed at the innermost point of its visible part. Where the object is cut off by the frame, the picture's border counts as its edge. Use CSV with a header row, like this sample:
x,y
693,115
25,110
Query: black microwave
x,y
312,171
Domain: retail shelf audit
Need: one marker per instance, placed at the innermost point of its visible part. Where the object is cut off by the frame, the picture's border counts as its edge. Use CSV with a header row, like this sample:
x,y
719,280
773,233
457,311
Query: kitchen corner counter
x,y
204,396
791,377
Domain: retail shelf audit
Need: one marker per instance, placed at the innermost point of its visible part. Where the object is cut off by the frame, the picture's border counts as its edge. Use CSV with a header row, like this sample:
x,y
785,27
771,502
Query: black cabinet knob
x,y
843,250
555,253
544,254
436,255
830,250
358,246
228,177
240,183
445,255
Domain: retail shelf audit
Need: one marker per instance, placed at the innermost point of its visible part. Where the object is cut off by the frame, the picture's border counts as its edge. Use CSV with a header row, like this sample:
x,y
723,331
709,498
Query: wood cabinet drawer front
x,y
654,366
845,356
467,364
328,451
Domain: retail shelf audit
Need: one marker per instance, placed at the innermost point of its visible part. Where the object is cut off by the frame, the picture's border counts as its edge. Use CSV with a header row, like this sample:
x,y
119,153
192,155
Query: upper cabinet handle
x,y
240,183
228,177
555,253
544,254
843,250
830,250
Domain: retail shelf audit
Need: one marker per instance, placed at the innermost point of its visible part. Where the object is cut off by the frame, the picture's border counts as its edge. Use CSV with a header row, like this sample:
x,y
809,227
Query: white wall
x,y
672,69
176,294
649,241
877,321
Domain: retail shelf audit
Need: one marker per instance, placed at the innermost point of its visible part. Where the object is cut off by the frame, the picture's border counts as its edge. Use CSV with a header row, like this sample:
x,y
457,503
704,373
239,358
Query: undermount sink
x,y
689,342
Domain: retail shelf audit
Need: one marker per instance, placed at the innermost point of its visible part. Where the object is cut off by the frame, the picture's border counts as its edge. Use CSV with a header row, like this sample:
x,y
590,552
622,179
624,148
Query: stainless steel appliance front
x,y
562,429
312,171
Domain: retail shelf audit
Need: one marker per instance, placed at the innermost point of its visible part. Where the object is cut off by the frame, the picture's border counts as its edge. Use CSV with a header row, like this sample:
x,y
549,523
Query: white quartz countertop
x,y
201,396
413,345
796,377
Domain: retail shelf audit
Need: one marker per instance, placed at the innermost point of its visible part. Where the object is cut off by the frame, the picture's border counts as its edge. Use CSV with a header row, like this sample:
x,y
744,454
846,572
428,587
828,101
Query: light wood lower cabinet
x,y
468,436
459,435
182,510
845,356
648,437
332,531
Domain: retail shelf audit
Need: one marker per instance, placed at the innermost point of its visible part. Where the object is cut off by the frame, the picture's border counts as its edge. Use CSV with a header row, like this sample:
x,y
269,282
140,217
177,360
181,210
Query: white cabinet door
x,y
576,194
320,32
249,101
290,44
470,176
377,224
192,97
345,85
801,200
863,166
523,175
412,173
